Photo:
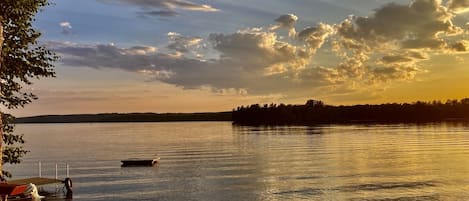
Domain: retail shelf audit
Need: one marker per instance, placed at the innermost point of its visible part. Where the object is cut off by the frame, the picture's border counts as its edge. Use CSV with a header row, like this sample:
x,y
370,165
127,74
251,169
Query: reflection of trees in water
x,y
277,130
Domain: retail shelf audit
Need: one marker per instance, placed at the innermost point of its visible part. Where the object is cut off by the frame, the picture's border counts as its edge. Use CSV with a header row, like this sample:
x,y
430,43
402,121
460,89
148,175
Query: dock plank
x,y
35,180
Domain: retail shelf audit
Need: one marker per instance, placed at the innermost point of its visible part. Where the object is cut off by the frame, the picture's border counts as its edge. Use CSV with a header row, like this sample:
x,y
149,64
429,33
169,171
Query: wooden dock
x,y
19,186
35,180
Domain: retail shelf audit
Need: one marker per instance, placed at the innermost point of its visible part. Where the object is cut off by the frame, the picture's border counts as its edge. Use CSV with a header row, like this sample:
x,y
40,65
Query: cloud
x,y
165,8
315,37
458,6
387,46
66,27
418,25
422,43
400,65
396,59
460,46
180,43
395,72
391,42
171,5
255,47
404,57
263,52
139,50
165,67
132,59
158,13
244,59
321,76
287,21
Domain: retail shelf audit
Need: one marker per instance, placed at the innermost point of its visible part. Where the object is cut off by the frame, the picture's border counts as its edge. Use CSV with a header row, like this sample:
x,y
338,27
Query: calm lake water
x,y
218,161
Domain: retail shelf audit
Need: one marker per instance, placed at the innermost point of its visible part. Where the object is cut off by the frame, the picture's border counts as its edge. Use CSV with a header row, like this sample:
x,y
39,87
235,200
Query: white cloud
x,y
66,27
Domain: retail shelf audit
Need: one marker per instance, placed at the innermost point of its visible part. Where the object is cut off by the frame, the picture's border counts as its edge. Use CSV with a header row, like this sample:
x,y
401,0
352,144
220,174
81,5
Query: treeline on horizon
x,y
128,117
316,112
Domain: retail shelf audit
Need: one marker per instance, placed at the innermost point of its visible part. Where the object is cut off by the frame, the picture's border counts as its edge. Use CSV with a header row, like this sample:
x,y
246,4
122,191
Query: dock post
x,y
56,177
68,172
40,169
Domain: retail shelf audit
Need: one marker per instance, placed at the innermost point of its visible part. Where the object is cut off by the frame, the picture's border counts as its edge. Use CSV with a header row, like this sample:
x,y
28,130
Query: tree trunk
x,y
1,123
2,197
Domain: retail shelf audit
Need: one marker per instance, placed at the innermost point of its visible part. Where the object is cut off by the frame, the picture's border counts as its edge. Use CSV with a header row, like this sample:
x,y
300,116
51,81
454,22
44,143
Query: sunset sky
x,y
214,55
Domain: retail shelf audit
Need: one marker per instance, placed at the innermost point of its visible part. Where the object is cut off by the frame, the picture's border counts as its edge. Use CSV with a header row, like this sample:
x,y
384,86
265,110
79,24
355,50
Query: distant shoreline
x,y
315,112
126,117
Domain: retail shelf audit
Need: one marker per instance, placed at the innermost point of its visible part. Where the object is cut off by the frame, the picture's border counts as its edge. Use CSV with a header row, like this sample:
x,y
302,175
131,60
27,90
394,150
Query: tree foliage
x,y
12,149
316,112
22,59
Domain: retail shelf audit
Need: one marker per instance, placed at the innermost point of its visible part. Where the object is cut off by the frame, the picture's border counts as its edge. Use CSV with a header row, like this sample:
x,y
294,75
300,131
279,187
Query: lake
x,y
219,161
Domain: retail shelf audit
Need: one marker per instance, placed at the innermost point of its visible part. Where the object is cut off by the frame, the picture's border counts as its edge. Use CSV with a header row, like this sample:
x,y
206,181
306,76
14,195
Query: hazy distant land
x,y
129,117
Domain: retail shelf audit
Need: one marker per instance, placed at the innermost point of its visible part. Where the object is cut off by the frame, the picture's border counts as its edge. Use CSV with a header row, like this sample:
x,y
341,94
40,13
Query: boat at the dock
x,y
26,189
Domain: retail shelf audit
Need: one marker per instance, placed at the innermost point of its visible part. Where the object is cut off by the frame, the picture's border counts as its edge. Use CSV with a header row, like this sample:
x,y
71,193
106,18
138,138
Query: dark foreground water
x,y
218,161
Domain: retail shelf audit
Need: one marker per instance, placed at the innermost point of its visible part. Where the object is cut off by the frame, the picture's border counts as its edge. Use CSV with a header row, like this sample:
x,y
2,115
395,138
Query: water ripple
x,y
218,161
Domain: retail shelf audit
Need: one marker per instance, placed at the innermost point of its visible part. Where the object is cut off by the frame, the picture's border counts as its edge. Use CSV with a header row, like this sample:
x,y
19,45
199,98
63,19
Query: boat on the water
x,y
140,162
26,190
